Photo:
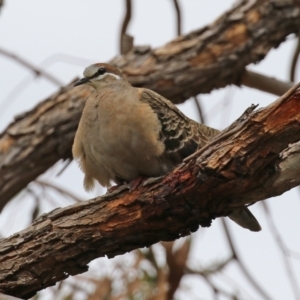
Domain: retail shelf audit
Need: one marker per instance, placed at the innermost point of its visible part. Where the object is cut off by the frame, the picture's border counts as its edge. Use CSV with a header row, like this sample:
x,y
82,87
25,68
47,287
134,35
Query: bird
x,y
126,132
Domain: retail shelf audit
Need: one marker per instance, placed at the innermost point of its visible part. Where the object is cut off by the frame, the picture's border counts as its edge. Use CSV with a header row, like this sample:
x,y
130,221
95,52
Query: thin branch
x,y
199,109
60,190
1,4
207,273
238,259
284,252
265,83
295,59
25,82
36,198
178,17
28,65
126,41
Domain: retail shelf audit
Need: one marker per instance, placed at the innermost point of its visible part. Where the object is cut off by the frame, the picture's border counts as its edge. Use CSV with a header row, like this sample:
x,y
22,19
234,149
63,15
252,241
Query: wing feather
x,y
180,135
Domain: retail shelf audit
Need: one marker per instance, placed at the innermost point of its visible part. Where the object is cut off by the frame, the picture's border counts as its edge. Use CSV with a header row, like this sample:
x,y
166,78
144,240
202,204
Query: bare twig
x,y
238,259
28,65
126,41
265,83
60,190
35,211
178,17
25,82
284,251
295,59
206,273
1,4
199,109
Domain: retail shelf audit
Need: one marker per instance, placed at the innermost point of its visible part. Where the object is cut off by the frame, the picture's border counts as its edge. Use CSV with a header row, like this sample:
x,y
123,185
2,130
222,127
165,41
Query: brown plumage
x,y
127,132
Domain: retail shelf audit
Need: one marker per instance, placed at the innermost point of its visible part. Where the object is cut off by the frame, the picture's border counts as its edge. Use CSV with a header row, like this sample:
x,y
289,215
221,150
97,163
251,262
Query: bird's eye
x,y
101,71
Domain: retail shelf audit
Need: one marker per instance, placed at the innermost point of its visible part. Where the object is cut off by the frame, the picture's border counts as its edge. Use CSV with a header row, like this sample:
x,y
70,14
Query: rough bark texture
x,y
195,63
215,55
252,161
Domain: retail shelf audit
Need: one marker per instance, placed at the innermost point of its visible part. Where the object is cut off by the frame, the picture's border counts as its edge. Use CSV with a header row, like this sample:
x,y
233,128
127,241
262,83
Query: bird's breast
x,y
124,136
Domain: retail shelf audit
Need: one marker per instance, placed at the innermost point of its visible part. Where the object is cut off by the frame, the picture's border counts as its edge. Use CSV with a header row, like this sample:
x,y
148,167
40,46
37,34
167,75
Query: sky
x,y
63,37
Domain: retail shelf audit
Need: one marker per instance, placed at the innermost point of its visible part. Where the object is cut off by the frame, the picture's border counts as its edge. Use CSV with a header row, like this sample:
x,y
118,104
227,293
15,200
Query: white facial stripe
x,y
107,74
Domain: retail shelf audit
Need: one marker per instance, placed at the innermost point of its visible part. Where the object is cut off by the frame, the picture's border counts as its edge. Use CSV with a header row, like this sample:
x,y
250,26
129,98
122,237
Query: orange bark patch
x,y
202,59
252,17
5,144
284,114
219,50
237,34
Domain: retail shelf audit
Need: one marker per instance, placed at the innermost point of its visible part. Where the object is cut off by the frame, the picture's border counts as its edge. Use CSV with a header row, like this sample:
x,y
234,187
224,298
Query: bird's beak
x,y
82,81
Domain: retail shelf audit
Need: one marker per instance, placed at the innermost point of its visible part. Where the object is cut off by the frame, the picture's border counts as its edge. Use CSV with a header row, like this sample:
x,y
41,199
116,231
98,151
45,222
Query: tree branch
x,y
265,83
256,162
216,55
31,67
205,59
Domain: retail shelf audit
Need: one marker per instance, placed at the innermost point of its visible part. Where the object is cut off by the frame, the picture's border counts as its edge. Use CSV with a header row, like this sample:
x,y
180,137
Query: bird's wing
x,y
180,135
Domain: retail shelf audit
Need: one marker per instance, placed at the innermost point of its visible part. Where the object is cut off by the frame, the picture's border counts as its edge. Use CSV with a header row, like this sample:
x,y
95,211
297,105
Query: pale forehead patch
x,y
90,71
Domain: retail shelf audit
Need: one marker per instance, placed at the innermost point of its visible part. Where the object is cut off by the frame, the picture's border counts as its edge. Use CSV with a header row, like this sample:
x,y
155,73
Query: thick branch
x,y
232,172
195,63
216,55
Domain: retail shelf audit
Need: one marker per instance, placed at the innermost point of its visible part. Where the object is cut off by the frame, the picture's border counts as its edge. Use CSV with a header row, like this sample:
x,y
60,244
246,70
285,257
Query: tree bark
x,y
209,58
252,160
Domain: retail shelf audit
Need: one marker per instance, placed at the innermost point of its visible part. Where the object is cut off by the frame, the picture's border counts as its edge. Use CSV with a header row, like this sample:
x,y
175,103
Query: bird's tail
x,y
244,218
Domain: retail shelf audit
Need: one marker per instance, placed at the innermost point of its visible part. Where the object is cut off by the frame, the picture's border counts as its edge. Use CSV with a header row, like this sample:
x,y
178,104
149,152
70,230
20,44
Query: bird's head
x,y
97,75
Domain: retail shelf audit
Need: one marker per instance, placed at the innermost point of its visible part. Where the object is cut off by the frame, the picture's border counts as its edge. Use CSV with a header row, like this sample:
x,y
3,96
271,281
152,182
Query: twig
x,y
58,189
178,16
35,70
199,109
241,264
125,39
295,59
284,251
205,274
36,198
265,83
52,59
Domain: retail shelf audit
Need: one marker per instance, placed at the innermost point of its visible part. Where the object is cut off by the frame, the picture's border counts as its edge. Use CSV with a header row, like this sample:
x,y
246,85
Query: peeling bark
x,y
195,63
256,160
